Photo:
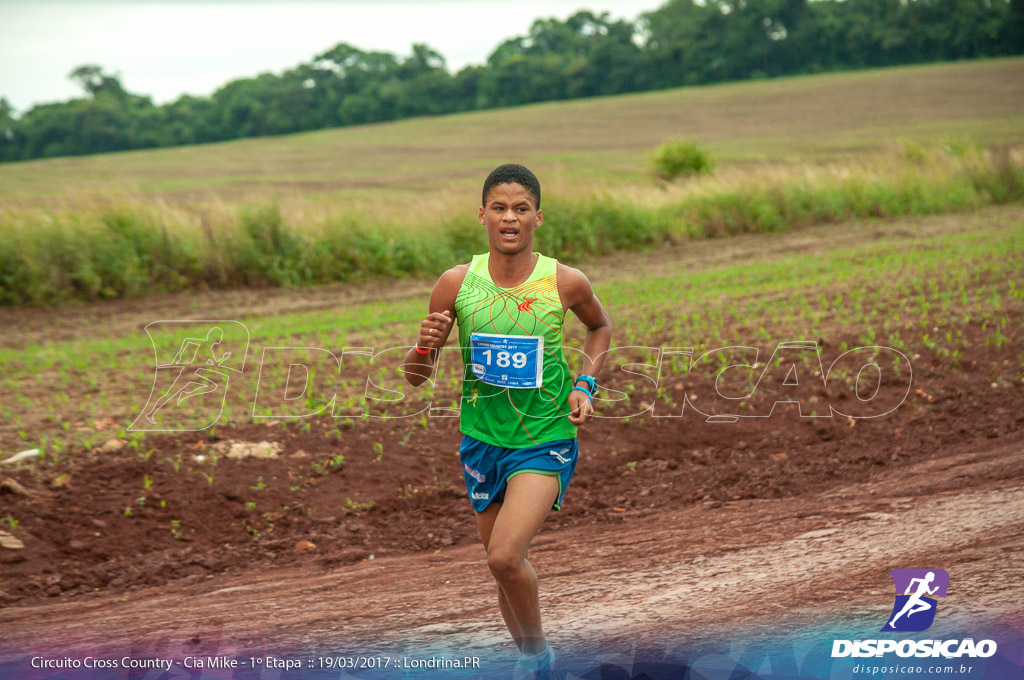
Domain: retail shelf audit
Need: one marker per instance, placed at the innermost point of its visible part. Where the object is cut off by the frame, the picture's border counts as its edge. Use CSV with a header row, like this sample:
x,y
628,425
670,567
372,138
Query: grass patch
x,y
681,158
133,250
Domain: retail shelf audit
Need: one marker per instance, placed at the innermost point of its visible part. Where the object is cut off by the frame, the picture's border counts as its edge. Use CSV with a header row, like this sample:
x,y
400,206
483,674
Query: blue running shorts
x,y
488,468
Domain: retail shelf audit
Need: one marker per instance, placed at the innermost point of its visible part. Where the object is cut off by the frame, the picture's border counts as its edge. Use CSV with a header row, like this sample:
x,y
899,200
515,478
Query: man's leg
x,y
528,499
485,523
172,391
918,607
906,607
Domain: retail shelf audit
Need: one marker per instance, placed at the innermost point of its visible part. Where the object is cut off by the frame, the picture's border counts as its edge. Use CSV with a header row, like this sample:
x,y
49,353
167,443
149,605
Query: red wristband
x,y
422,351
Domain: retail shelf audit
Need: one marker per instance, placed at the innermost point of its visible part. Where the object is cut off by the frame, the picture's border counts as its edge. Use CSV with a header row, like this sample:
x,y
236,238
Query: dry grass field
x,y
588,145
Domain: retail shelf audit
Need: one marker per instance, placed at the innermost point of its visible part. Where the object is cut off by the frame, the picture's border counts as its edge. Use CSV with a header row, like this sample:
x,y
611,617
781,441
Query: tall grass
x,y
132,250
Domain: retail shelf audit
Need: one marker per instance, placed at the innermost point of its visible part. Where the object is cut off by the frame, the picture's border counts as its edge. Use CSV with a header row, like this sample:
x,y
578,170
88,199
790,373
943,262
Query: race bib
x,y
515,361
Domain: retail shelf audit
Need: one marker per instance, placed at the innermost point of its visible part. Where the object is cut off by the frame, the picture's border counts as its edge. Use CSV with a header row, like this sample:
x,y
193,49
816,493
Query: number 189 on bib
x,y
515,361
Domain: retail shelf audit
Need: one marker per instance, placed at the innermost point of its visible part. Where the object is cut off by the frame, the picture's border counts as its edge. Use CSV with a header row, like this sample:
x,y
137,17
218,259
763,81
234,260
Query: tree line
x,y
681,43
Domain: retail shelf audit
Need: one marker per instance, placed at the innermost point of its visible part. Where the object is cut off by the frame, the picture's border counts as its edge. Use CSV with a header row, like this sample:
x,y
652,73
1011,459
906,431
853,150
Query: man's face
x,y
510,216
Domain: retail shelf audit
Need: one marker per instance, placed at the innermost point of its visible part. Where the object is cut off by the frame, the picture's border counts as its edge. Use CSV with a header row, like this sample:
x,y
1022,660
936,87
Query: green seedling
x,y
359,507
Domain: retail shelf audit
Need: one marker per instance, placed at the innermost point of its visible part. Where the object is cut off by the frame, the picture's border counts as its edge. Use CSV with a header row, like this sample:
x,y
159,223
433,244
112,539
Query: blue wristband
x,y
591,384
585,391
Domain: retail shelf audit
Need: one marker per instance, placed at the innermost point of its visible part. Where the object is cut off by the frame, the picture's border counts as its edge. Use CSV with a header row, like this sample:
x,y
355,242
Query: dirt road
x,y
676,577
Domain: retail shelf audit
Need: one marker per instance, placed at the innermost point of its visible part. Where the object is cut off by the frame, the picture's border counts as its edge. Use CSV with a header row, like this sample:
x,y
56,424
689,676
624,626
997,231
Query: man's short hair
x,y
511,173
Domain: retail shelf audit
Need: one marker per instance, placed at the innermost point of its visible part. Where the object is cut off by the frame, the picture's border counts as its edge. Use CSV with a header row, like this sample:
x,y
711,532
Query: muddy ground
x,y
665,570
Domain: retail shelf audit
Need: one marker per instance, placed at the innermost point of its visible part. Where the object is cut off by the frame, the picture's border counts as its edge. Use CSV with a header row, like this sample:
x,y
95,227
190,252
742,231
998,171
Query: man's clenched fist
x,y
434,330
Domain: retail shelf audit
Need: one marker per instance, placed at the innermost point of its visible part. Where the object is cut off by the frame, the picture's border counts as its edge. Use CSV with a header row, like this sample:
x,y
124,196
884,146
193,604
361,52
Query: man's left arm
x,y
578,295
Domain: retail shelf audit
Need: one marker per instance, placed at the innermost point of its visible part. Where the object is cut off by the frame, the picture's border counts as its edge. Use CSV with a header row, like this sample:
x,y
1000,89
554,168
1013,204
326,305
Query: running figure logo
x,y
914,610
205,353
524,306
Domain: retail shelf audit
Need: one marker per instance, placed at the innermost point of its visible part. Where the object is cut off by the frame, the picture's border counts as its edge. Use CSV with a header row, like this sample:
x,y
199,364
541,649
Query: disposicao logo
x,y
914,609
194,364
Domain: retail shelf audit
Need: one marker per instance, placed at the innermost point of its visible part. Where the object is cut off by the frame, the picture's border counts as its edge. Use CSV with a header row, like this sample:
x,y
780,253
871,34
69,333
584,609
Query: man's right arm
x,y
436,327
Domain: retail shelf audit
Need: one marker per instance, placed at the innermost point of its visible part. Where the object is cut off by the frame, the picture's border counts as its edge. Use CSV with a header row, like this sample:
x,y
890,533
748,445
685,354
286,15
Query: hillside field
x,y
582,145
398,200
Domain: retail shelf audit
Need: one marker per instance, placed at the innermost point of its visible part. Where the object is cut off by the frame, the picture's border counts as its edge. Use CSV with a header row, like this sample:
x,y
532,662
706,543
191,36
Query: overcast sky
x,y
165,48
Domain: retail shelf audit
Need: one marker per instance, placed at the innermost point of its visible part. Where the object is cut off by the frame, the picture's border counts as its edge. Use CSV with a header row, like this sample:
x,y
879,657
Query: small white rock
x,y
8,541
240,450
112,446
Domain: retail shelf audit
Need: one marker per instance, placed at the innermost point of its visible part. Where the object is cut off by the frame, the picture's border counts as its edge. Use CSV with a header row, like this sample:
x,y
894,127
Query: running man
x,y
198,382
914,603
520,406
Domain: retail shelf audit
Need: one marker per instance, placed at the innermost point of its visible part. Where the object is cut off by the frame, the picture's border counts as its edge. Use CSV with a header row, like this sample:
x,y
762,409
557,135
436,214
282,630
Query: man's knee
x,y
504,564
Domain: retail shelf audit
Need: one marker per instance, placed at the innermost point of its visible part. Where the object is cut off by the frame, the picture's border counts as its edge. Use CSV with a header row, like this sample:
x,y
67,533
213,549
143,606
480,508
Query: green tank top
x,y
511,417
